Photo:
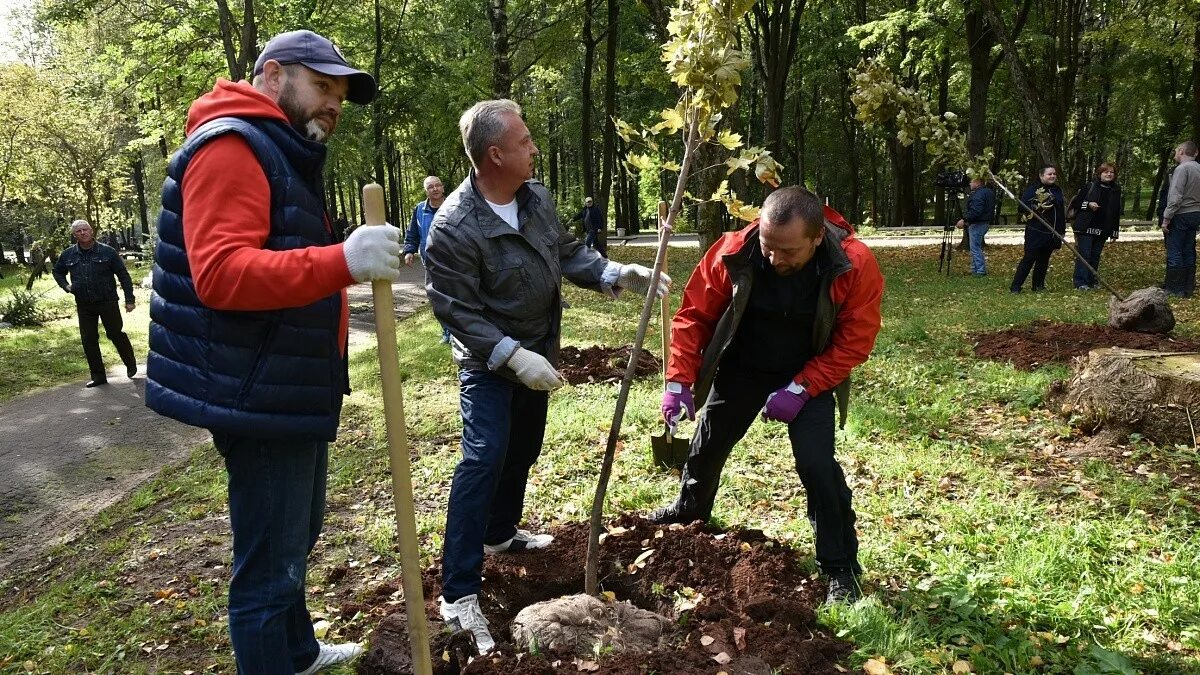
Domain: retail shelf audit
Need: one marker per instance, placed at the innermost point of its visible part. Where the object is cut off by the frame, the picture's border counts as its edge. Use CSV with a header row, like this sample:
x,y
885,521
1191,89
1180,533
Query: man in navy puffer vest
x,y
249,324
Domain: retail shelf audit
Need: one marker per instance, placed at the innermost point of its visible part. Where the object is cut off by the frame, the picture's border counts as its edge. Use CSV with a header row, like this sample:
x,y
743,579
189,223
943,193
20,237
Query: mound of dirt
x,y
1042,342
739,601
604,364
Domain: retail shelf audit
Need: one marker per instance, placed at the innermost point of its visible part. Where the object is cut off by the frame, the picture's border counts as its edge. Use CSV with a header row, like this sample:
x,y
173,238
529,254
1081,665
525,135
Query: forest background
x,y
95,92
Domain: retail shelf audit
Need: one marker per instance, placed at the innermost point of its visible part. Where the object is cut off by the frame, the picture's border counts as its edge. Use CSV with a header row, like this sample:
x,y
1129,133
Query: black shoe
x,y
843,588
95,383
131,370
1014,290
674,514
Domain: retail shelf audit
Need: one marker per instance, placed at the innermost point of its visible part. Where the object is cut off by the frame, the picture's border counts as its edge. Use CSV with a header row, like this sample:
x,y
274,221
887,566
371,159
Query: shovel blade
x,y
670,452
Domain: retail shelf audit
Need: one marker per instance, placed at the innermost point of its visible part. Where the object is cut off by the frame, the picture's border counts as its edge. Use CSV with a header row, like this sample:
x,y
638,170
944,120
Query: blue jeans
x,y
1181,240
1089,247
276,507
503,426
976,232
589,240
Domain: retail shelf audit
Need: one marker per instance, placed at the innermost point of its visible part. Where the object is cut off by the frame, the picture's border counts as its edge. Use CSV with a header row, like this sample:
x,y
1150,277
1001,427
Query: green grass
x,y
34,358
980,543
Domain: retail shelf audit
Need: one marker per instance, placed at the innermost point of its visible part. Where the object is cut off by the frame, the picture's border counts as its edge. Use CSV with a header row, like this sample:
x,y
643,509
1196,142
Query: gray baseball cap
x,y
318,53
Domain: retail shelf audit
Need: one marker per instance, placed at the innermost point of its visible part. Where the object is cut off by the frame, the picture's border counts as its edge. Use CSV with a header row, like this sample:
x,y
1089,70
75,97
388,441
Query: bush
x,y
22,309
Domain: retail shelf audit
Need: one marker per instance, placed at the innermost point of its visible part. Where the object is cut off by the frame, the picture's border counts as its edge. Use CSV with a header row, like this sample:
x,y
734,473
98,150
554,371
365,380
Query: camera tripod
x,y
953,215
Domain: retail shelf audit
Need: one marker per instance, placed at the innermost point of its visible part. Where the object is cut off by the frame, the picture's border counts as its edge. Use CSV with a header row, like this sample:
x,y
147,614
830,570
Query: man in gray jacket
x,y
497,255
1180,220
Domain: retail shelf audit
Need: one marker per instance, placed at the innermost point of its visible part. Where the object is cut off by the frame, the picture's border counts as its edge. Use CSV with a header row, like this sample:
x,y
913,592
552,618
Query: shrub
x,y
22,309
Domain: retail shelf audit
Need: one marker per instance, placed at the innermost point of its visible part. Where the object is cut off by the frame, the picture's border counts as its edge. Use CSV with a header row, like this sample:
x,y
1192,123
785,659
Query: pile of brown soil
x,y
600,363
1042,342
740,602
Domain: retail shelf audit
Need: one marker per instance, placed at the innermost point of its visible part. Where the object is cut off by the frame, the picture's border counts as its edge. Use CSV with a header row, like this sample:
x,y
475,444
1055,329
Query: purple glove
x,y
675,397
784,405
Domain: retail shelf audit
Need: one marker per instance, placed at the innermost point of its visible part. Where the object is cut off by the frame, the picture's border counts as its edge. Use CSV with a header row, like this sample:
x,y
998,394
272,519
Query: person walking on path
x,y
773,320
1180,221
977,219
92,267
418,228
497,258
249,324
1044,197
593,225
1097,208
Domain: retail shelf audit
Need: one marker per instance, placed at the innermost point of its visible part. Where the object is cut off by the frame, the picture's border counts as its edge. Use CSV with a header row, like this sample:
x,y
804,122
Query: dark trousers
x,y
1181,240
1037,259
91,314
736,400
503,426
1089,246
276,507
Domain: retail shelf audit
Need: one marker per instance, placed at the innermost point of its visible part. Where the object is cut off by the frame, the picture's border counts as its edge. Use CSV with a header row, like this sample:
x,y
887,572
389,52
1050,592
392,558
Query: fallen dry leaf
x,y
961,667
876,667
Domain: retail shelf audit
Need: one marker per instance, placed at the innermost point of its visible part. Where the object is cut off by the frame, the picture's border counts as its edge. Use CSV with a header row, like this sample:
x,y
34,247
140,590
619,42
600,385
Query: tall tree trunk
x,y
239,44
377,142
552,121
1196,82
1026,95
774,27
139,186
394,186
585,98
502,77
610,111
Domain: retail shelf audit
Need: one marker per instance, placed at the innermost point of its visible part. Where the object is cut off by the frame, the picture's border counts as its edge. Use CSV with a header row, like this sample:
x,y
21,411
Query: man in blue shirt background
x,y
418,227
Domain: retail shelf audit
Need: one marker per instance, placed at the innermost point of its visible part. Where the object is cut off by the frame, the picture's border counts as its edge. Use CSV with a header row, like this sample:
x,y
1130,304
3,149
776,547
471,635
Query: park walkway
x,y
68,452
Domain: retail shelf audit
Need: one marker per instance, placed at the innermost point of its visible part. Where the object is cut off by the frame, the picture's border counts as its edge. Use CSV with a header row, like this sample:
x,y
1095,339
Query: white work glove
x,y
534,370
637,278
373,253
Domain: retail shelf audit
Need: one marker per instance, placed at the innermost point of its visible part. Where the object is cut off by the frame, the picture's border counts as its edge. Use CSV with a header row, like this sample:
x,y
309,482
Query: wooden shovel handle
x,y
397,436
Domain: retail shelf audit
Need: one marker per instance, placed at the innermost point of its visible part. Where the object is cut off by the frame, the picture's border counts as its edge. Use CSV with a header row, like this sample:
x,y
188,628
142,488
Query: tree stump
x,y
1115,392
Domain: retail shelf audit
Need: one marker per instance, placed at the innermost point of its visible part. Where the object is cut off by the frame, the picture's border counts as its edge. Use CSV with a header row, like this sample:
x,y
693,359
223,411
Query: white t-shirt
x,y
507,212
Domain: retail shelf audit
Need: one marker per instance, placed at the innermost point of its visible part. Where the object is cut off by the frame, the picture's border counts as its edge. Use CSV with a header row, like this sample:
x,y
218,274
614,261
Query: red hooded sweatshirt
x,y
227,217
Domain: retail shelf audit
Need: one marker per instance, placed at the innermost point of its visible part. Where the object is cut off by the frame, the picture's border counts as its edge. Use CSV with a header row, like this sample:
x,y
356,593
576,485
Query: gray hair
x,y
1188,148
483,124
79,223
428,180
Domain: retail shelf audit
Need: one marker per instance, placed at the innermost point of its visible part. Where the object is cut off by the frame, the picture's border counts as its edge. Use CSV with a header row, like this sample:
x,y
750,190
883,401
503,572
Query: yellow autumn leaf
x,y
961,667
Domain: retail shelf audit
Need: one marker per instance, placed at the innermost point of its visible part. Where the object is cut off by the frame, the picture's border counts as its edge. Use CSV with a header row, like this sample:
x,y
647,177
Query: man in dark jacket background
x,y
250,324
773,320
977,218
92,267
497,258
593,225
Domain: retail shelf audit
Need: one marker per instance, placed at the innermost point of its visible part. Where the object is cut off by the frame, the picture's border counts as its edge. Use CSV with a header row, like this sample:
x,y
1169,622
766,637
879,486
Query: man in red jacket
x,y
249,324
773,320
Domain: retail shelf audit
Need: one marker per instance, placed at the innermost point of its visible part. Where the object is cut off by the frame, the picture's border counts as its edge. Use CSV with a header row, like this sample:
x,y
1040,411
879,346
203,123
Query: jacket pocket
x,y
260,362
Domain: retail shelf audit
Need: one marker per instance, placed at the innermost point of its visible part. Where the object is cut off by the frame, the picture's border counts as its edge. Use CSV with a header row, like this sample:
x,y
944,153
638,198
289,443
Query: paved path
x,y
68,452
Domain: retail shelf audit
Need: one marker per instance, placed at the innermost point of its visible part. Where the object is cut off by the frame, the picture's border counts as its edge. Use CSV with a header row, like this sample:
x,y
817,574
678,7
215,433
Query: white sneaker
x,y
523,540
332,655
464,614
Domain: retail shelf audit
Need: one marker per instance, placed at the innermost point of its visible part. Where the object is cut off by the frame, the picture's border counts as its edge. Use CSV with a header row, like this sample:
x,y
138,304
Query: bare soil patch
x,y
601,363
740,602
1042,342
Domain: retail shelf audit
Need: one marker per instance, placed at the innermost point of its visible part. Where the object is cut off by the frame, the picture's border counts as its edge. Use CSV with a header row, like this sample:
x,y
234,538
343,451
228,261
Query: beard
x,y
304,122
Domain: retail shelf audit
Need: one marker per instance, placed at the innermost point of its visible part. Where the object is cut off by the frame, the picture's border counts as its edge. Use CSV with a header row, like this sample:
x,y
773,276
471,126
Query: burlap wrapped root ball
x,y
583,624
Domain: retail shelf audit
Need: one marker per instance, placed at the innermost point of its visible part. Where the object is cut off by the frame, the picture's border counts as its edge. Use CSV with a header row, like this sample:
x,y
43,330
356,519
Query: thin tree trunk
x,y
1026,95
610,113
502,76
585,98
